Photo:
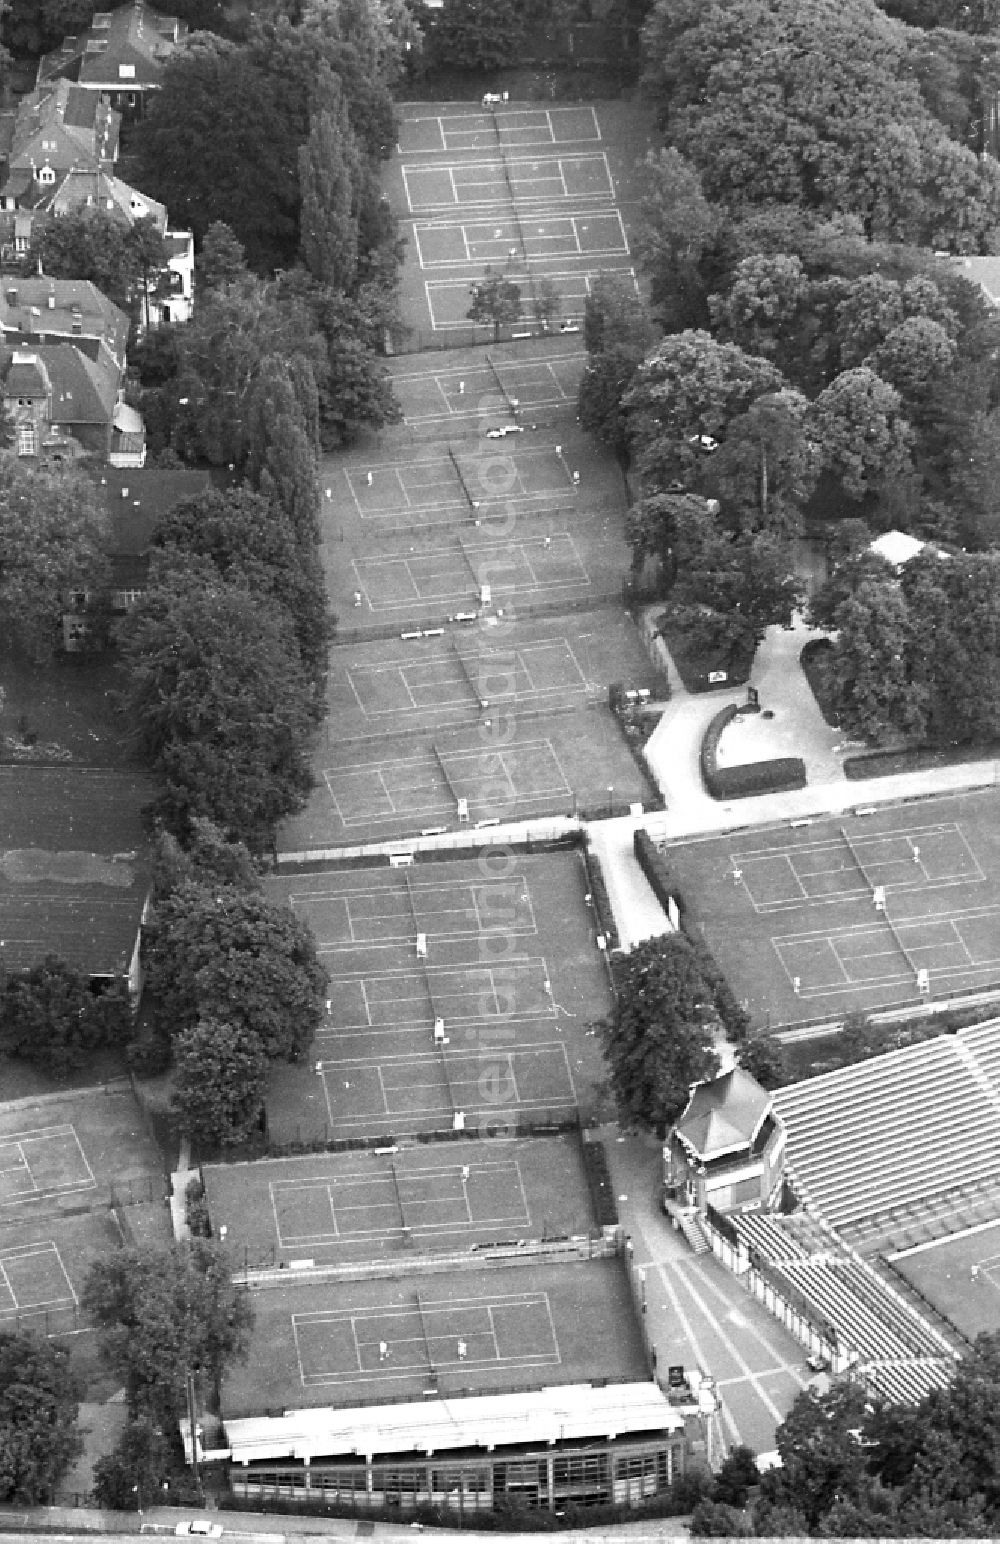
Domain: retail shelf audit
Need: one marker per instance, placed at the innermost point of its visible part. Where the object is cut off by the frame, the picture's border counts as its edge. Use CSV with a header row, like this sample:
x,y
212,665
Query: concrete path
x,y
796,728
698,1314
638,914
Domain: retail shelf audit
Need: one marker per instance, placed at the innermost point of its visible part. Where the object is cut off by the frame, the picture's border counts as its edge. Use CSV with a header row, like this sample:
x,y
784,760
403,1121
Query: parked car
x,y
198,1528
501,431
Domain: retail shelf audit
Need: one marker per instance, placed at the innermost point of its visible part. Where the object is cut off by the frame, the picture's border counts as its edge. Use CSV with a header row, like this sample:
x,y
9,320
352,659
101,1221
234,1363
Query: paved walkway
x,y
697,1313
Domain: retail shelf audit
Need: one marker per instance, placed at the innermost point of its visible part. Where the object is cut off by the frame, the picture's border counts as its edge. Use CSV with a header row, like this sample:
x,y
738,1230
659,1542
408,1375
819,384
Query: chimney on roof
x,y
52,298
12,296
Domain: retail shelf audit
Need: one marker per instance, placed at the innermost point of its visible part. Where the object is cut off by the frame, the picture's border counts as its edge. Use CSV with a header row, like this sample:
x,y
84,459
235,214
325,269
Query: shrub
x,y
599,896
602,1192
656,869
755,777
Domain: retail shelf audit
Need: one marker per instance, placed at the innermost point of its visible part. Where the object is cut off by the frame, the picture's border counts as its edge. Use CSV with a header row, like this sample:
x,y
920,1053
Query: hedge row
x,y
599,896
602,1191
915,758
657,871
755,776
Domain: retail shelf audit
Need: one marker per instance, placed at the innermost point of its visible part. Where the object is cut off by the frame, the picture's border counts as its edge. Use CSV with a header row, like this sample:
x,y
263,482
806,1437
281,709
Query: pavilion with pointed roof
x,y
726,1148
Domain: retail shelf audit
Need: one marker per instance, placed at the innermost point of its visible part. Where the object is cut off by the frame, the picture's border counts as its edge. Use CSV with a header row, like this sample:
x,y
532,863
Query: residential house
x,y
36,310
170,292
73,869
57,129
136,501
62,404
119,57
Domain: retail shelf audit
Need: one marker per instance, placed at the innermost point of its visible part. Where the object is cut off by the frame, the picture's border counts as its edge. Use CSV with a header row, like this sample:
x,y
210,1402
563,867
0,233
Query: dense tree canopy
x,y
39,1403
218,952
219,1074
660,1038
253,539
53,534
163,1313
218,698
806,103
96,244
49,1015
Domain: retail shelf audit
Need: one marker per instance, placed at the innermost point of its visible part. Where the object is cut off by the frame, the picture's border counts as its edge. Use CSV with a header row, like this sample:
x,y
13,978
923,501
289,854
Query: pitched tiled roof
x,y
83,392
72,876
26,377
59,124
723,1115
137,500
134,38
88,189
29,312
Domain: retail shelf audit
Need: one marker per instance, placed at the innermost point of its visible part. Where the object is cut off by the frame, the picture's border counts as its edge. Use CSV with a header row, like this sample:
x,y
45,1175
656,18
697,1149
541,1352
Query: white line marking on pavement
x,y
703,1362
752,1377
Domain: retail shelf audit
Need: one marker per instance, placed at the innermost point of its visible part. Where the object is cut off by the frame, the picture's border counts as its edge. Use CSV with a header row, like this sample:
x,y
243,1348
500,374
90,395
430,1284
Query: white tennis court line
x,y
903,926
472,1109
574,287
913,837
493,179
482,555
445,1308
35,1251
423,811
540,242
21,1140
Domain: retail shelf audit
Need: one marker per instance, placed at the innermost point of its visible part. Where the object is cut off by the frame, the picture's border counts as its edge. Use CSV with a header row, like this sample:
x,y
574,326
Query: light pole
x,y
611,799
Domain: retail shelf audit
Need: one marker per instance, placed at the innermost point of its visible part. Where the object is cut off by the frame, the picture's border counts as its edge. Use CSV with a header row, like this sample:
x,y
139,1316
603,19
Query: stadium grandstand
x,y
890,1137
836,1303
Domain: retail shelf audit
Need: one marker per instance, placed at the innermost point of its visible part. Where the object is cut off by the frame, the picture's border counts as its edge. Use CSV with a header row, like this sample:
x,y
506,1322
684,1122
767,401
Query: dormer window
x,y
126,72
46,175
101,21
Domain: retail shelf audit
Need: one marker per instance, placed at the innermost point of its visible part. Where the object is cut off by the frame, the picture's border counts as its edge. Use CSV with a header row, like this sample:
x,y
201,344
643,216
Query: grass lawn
x,y
961,1277
694,666
788,910
430,1198
529,1326
64,709
497,930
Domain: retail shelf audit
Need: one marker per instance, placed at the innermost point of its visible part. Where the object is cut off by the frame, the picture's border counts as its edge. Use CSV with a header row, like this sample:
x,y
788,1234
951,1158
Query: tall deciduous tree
x,y
48,1014
496,301
863,435
218,698
249,537
677,226
688,387
39,1404
879,696
216,952
659,1040
219,1074
165,1313
101,246
467,35
220,141
327,166
52,541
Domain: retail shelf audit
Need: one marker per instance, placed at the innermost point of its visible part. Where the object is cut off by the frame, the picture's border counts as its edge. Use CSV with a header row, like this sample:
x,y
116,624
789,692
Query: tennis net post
x,y
857,860
461,479
423,1331
399,1198
512,403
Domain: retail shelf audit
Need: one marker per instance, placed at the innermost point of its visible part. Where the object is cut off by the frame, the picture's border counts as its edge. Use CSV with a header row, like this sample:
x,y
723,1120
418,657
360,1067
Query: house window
x,y
46,175
26,439
124,600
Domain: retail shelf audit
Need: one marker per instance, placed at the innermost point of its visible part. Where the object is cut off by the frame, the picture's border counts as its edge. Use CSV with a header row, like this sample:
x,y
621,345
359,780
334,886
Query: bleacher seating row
x,y
883,1134
891,1344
